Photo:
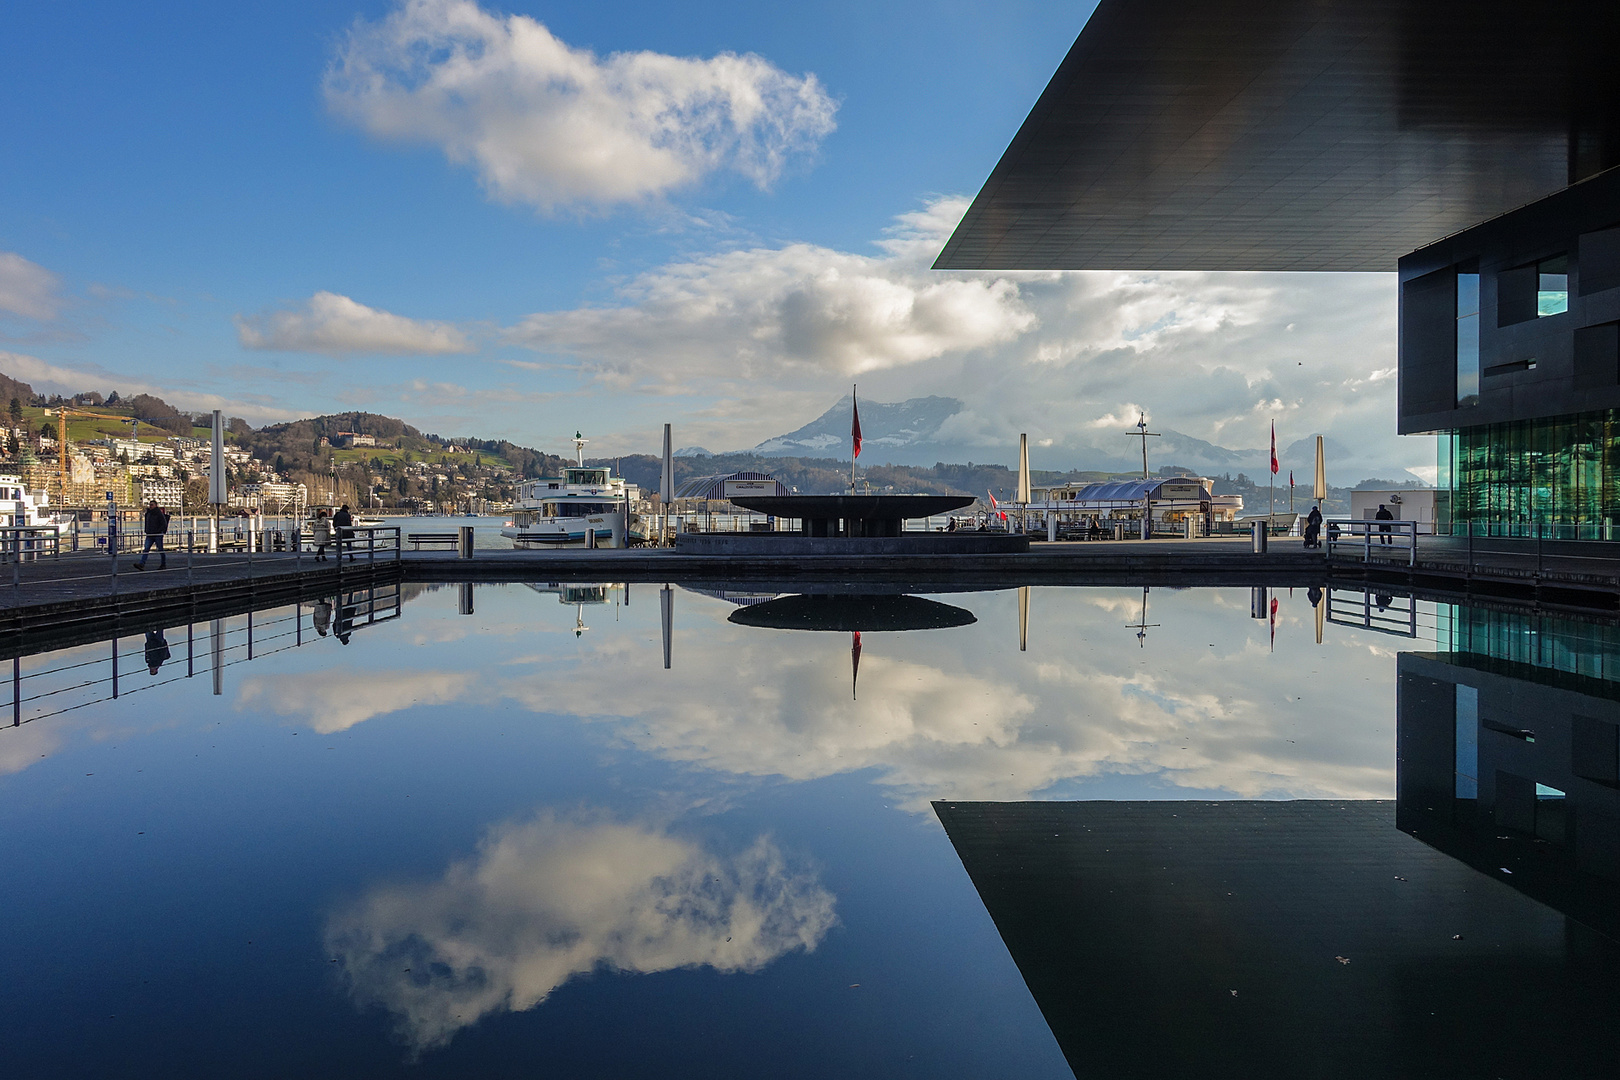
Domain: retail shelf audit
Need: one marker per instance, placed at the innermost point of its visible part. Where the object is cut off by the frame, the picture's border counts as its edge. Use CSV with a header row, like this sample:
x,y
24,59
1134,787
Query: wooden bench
x,y
416,540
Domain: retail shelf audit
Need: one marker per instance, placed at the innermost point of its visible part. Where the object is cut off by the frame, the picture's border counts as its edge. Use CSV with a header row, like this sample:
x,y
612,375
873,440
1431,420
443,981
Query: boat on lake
x,y
583,500
22,509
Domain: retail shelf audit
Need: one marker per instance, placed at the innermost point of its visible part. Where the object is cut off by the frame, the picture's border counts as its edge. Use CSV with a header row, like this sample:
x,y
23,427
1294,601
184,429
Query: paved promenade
x,y
49,597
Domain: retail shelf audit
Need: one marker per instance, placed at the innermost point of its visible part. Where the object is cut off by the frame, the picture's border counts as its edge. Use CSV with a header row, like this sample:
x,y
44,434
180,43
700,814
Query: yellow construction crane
x,y
62,442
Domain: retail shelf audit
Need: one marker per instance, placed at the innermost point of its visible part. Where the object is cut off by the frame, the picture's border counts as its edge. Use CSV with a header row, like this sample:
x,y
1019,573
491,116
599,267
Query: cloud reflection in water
x,y
554,897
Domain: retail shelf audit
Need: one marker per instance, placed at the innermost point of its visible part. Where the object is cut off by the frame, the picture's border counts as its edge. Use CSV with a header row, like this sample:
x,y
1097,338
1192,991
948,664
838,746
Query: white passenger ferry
x,y
21,509
562,509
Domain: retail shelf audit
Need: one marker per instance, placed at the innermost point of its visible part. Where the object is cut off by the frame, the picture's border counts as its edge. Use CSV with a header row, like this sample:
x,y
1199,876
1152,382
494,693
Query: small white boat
x,y
563,509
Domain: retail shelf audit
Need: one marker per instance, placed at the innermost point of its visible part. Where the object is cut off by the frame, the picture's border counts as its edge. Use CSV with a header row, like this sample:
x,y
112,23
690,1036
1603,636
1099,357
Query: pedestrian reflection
x,y
157,650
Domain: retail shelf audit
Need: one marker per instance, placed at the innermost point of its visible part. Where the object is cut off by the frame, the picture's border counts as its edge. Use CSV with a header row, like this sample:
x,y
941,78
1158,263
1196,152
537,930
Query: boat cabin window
x,y
588,477
553,487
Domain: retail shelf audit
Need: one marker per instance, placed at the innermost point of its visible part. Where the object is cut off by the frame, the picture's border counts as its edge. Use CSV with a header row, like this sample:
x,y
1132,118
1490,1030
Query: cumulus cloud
x,y
1067,357
336,325
551,898
26,288
762,312
555,126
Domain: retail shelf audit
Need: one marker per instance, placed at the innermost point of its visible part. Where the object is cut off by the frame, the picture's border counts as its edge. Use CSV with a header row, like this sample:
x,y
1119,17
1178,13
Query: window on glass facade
x,y
1468,339
1552,286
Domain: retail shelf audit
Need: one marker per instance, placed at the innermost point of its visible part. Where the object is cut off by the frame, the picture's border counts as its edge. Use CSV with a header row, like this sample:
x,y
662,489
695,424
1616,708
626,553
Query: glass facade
x,y
1557,478
1467,339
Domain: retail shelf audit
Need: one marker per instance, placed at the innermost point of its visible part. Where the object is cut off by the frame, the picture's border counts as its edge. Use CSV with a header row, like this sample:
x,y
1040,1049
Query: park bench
x,y
416,540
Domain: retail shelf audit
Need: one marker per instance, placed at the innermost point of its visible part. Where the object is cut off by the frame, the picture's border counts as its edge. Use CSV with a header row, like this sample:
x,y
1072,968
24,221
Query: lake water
x,y
389,836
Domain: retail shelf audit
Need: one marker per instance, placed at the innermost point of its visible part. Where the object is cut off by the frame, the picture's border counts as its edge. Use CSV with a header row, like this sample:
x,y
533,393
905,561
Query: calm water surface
x,y
406,840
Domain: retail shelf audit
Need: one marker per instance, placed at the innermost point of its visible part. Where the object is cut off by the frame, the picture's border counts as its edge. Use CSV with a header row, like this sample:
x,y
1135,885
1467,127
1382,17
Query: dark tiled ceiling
x,y
1295,135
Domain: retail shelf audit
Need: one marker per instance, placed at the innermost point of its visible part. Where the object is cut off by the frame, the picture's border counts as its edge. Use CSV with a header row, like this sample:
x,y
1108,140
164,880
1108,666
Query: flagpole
x,y
853,450
1271,490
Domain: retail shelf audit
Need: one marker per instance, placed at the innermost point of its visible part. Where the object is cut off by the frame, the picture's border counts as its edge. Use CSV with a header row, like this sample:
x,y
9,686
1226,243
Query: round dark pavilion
x,y
852,515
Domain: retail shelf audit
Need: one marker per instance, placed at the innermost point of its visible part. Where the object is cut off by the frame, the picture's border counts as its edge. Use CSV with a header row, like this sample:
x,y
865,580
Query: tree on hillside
x,y
160,414
112,398
16,412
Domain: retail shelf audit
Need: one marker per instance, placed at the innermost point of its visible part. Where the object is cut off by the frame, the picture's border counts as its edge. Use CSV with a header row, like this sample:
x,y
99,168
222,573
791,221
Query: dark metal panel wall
x,y
1578,222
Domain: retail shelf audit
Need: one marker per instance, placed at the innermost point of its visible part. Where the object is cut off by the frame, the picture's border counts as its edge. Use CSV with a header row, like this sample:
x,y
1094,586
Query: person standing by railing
x,y
320,534
156,525
344,522
1383,530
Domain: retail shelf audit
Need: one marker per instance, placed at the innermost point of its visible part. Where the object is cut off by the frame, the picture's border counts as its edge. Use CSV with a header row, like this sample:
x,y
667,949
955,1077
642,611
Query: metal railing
x,y
1373,609
88,676
25,543
1382,541
185,557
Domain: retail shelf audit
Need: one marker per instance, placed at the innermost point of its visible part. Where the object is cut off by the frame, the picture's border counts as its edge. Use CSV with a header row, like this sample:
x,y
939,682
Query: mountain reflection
x,y
554,897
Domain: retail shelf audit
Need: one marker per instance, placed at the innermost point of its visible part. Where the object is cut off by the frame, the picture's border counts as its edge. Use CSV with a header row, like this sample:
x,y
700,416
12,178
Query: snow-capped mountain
x,y
888,431
920,431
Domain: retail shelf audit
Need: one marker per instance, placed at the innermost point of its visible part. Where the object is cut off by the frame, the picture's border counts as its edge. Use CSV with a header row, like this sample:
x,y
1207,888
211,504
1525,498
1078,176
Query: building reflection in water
x,y
1509,756
1318,938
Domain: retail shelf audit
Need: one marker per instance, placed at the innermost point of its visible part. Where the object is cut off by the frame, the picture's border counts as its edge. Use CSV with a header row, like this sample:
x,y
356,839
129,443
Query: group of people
x,y
323,531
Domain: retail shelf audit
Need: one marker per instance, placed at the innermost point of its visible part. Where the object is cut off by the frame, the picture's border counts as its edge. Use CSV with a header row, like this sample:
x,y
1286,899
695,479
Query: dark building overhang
x,y
1294,135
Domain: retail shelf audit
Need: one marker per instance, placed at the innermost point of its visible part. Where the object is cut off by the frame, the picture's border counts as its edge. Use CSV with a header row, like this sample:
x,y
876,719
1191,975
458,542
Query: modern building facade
x,y
1510,349
1467,145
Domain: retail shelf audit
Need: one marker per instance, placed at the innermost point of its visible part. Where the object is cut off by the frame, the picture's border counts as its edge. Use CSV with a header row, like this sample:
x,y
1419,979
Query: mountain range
x,y
919,432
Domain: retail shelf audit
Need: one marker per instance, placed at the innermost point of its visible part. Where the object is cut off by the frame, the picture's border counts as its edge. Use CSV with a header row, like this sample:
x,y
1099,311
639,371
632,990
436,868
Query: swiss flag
x,y
1274,448
855,424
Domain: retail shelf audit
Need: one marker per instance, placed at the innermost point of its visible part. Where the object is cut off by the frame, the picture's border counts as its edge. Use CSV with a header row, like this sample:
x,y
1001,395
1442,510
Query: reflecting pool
x,y
598,829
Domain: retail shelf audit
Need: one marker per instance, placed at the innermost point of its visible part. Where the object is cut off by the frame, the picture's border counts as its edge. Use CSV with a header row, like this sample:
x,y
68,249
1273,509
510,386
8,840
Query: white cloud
x,y
332,701
27,288
553,898
556,126
762,312
336,325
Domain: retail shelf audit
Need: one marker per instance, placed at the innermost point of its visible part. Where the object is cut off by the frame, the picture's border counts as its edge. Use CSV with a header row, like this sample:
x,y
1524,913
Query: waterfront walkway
x,y
50,597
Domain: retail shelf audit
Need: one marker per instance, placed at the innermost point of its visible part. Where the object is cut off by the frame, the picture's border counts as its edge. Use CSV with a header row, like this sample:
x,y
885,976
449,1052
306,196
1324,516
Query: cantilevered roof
x,y
1296,134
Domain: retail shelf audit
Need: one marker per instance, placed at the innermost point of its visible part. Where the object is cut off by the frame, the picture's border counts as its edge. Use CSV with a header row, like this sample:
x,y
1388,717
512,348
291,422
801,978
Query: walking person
x,y
157,525
1383,530
343,521
322,617
320,534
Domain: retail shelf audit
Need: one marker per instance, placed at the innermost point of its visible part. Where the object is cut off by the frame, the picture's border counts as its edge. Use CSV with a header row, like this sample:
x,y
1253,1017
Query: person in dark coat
x,y
1383,530
156,523
343,521
157,650
1313,528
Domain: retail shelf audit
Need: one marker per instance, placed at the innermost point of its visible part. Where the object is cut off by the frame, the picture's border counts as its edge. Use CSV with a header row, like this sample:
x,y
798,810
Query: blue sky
x,y
520,219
